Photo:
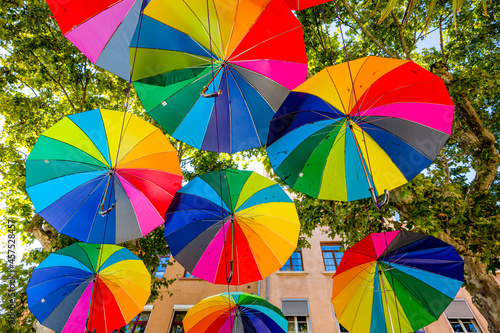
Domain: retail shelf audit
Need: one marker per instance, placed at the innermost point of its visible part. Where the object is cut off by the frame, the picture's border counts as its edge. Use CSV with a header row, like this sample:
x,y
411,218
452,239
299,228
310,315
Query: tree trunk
x,y
482,286
485,292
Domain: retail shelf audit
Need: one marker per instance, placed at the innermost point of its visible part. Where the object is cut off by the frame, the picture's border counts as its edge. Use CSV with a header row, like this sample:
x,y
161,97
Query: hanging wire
x,y
111,175
371,189
215,95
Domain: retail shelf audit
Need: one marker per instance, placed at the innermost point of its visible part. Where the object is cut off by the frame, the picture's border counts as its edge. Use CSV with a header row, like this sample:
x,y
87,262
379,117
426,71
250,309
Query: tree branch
x,y
55,80
443,55
401,36
367,33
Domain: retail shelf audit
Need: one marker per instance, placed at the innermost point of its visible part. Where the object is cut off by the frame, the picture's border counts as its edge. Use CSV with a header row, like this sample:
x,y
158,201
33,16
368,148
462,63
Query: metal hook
x,y
384,202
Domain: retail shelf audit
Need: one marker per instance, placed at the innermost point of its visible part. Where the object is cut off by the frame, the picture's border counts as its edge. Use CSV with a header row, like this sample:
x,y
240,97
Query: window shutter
x,y
295,307
458,309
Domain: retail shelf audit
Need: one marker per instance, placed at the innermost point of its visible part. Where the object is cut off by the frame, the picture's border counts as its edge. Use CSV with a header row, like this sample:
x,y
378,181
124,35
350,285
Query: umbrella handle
x,y
374,198
214,94
103,213
230,277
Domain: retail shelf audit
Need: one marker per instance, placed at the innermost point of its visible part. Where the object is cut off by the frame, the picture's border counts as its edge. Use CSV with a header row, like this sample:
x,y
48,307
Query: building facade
x,y
302,289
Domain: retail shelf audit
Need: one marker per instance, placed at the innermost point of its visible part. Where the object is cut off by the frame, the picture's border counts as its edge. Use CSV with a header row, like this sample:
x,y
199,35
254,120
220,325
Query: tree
x,y
43,77
457,198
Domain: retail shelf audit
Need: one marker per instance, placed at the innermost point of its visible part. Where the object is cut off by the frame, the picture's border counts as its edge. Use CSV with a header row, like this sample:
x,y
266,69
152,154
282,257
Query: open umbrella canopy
x,y
235,313
103,176
395,282
88,286
245,54
101,29
231,221
334,138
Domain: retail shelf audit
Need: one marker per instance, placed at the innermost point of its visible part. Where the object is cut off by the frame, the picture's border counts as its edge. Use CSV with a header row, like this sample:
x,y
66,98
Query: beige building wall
x,y
313,284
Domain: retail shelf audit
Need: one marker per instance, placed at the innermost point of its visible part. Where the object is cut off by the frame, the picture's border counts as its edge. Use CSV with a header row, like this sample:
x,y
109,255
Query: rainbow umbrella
x,y
213,73
236,313
334,142
231,226
101,29
103,176
88,286
304,4
395,282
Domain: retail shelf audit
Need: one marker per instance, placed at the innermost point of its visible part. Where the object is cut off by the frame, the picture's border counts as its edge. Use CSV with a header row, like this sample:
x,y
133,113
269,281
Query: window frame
x,y
290,261
296,322
336,264
136,322
473,319
460,321
173,322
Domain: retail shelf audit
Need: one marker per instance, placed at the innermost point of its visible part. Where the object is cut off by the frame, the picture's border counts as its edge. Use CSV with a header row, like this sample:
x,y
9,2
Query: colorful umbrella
x,y
231,221
88,286
213,73
322,143
101,29
103,176
236,313
395,282
304,4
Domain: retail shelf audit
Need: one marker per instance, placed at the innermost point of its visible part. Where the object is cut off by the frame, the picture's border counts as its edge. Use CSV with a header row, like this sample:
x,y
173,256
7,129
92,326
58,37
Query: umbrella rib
x,y
221,42
95,215
239,69
109,277
124,165
262,42
230,56
81,204
416,299
75,282
417,269
246,104
366,287
265,188
118,27
126,292
375,99
353,92
204,28
93,166
64,298
148,181
271,230
78,149
125,153
346,111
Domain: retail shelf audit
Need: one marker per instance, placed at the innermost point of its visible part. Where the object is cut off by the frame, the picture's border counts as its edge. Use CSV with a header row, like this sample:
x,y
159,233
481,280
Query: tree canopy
x,y
44,77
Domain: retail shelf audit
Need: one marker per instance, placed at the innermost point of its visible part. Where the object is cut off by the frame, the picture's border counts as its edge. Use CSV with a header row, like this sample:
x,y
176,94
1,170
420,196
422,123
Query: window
x,y
176,326
296,312
294,263
297,324
461,318
331,255
160,271
138,324
464,325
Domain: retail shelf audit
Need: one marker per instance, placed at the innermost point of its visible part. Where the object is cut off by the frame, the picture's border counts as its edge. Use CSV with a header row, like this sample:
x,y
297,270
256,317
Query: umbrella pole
x,y
235,322
386,301
230,277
